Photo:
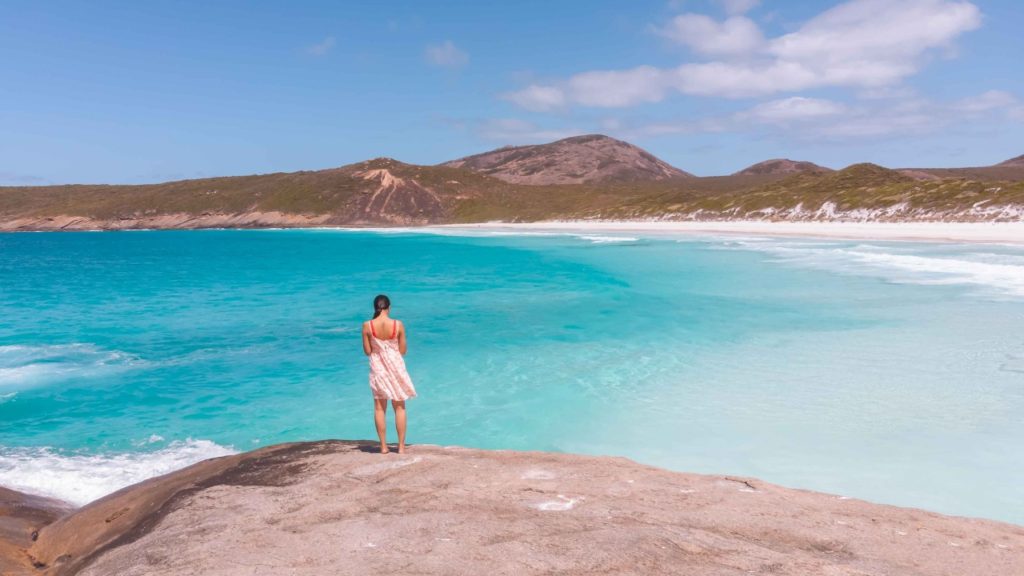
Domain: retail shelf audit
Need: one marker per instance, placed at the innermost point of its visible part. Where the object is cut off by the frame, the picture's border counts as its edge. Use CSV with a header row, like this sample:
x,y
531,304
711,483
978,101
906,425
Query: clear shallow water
x,y
892,372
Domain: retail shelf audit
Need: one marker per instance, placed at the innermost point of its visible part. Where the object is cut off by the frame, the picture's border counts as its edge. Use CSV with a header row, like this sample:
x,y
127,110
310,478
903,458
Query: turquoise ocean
x,y
892,372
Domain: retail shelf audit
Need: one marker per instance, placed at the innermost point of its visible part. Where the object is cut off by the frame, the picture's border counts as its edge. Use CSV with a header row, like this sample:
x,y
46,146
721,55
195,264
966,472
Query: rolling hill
x,y
1013,162
782,166
387,192
1012,169
592,159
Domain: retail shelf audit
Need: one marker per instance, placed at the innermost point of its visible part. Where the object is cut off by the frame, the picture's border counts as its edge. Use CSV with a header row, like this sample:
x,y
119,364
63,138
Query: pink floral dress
x,y
389,379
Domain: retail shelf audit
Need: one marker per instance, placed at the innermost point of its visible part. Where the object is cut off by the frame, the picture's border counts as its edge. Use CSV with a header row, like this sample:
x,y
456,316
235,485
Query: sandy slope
x,y
339,508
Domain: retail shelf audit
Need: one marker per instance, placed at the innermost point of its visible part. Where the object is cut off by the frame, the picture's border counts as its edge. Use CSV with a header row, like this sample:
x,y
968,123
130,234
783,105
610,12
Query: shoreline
x,y
988,232
956,232
1011,233
339,506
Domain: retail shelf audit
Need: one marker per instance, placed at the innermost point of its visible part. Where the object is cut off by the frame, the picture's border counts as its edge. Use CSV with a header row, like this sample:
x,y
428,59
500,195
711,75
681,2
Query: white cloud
x,y
741,80
321,48
875,42
991,100
736,35
538,98
862,44
794,108
885,92
446,55
816,119
616,88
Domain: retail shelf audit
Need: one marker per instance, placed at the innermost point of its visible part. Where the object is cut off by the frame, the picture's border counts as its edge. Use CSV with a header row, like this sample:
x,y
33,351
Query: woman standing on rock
x,y
389,379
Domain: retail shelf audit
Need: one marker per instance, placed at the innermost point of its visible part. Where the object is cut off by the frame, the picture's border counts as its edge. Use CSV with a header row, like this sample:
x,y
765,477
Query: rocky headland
x,y
337,507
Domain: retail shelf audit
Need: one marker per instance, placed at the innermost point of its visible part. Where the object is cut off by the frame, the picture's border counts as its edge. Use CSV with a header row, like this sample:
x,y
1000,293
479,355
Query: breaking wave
x,y
24,366
1002,273
81,478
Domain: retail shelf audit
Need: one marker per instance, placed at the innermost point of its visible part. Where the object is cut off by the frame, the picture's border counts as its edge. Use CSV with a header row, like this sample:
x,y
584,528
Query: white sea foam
x,y
607,239
339,330
1007,277
484,233
81,478
23,366
1003,273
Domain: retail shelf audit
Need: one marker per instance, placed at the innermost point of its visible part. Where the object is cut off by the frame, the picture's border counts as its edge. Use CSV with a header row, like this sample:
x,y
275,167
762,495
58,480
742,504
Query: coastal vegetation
x,y
624,182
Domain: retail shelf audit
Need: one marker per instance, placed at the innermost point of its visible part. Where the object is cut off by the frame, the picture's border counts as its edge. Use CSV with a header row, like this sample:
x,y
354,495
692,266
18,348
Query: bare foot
x,y
384,449
401,449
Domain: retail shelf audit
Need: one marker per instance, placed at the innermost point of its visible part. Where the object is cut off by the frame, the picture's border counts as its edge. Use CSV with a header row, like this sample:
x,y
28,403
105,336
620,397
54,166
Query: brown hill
x,y
388,192
379,191
1011,170
582,159
782,166
1018,161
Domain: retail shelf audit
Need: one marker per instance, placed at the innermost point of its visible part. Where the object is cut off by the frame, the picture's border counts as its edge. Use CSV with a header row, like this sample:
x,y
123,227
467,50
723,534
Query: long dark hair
x,y
380,304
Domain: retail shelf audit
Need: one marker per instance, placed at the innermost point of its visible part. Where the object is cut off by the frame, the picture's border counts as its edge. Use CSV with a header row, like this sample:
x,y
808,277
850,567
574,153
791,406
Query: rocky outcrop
x,y
581,159
338,507
21,516
782,166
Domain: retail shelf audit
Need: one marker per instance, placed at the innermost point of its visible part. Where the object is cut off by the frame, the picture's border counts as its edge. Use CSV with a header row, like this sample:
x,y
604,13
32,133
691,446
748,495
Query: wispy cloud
x,y
795,108
15,178
860,44
321,48
991,100
797,118
705,35
819,119
538,98
446,55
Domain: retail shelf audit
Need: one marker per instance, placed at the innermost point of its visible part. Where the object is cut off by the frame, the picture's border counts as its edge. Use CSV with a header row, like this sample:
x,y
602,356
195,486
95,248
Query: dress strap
x,y
394,328
372,331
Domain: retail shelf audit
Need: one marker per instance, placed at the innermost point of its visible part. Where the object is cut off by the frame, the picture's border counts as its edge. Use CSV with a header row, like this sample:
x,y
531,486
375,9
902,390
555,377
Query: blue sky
x,y
126,92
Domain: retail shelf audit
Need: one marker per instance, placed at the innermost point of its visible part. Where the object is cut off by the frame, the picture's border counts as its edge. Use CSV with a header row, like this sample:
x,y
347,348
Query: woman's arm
x,y
366,339
401,338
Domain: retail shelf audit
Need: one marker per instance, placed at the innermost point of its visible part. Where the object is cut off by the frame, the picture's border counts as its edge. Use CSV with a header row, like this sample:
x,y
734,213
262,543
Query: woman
x,y
384,342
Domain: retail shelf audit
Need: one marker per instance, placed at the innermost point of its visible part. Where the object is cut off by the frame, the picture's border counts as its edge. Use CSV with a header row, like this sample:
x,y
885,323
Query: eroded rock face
x,y
397,200
337,507
580,159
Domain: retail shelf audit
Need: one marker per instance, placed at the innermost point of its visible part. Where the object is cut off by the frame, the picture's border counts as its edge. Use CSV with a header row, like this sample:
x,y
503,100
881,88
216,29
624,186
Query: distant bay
x,y
892,372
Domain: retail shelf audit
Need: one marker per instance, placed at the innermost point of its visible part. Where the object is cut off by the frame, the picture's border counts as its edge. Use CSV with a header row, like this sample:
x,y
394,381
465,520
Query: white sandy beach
x,y
989,232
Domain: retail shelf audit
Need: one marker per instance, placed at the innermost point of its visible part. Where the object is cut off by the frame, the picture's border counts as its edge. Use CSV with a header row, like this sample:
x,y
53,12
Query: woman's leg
x,y
380,409
399,406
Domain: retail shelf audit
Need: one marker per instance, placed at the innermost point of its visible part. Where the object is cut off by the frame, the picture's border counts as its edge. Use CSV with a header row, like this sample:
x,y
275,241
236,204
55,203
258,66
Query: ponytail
x,y
380,304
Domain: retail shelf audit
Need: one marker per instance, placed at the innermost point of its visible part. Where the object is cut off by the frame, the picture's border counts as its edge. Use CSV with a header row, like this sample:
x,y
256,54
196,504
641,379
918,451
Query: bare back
x,y
383,327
